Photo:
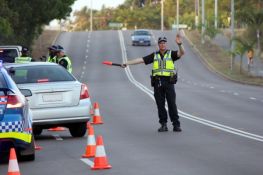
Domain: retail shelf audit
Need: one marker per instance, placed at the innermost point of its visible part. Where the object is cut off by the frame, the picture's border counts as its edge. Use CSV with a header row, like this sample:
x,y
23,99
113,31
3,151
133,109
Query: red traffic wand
x,y
109,63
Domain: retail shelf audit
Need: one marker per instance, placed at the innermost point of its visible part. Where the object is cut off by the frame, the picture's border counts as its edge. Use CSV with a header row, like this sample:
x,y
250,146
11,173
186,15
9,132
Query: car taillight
x,y
13,101
84,92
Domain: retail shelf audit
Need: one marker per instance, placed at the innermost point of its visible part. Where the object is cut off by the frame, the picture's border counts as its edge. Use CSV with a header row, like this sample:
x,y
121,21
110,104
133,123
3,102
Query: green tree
x,y
29,16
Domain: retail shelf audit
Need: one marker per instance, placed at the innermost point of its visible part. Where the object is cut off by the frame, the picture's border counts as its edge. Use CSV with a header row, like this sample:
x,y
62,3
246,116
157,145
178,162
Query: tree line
x,y
133,14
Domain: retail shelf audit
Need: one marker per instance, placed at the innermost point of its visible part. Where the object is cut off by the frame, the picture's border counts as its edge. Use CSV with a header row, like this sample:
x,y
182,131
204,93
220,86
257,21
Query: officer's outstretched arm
x,y
132,62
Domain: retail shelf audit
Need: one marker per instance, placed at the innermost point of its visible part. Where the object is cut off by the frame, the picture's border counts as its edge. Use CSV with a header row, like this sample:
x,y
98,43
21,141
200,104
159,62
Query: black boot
x,y
163,128
177,129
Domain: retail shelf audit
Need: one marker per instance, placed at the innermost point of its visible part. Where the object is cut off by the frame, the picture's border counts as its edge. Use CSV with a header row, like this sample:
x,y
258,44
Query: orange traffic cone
x,y
97,119
91,143
13,168
100,160
57,129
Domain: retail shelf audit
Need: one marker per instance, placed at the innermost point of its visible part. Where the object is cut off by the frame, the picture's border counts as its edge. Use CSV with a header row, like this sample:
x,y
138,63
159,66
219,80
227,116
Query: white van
x,y
8,53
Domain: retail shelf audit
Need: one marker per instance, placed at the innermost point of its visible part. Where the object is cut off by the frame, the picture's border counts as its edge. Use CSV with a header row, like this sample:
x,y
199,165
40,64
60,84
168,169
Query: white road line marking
x,y
88,162
183,114
85,62
236,94
87,50
211,87
57,137
84,67
252,98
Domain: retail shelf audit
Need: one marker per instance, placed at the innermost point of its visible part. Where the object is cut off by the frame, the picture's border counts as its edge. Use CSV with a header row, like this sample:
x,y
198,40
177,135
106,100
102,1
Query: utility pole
x,y
203,22
162,15
177,15
232,33
91,20
216,13
197,13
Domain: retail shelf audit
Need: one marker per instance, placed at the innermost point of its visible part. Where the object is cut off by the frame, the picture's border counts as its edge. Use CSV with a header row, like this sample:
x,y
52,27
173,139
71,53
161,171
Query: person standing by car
x,y
52,54
163,80
63,59
24,58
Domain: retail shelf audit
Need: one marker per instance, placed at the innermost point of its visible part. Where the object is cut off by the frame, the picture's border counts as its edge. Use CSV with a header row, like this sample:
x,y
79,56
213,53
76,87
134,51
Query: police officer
x,y
24,58
63,59
52,54
163,80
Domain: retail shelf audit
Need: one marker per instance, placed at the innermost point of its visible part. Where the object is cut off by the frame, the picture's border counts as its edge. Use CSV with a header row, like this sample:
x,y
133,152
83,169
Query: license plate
x,y
141,41
52,97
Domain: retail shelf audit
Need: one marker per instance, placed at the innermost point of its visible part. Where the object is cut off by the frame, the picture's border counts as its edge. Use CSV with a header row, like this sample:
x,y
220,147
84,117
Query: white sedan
x,y
58,98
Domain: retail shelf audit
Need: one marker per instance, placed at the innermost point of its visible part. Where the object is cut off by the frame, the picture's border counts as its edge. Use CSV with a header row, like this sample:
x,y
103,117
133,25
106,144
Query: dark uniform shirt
x,y
149,58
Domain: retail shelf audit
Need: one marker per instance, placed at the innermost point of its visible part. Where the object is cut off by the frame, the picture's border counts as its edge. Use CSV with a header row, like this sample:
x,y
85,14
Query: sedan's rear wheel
x,y
37,131
78,129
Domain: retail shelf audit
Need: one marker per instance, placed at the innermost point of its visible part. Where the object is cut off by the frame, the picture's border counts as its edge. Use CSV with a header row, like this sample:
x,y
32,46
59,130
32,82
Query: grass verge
x,y
218,60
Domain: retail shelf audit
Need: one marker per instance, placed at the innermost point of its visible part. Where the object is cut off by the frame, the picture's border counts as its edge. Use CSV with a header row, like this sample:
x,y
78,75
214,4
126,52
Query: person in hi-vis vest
x,y
63,59
52,57
164,76
24,58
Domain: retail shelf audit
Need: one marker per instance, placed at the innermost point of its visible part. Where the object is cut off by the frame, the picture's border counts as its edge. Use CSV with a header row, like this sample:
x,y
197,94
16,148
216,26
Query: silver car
x,y
58,98
141,37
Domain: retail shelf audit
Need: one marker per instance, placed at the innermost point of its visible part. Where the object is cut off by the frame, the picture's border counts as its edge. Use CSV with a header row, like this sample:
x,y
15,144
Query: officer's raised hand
x,y
178,39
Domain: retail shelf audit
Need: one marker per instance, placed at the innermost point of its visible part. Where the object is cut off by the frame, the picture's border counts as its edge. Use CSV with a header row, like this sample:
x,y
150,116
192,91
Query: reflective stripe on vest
x,y
23,59
163,67
69,66
26,137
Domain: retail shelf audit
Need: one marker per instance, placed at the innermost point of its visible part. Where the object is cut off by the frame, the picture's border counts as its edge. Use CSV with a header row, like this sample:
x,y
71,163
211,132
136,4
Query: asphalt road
x,y
221,120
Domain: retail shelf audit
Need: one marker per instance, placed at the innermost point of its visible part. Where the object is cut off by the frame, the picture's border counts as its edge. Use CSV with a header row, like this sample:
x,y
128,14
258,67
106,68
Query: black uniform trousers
x,y
164,90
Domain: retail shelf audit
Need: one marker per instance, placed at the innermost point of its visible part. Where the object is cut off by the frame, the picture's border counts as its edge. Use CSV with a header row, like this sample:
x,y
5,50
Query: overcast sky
x,y
96,4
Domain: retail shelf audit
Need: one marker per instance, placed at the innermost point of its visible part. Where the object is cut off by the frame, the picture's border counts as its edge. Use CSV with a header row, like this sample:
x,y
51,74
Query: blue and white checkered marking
x,y
3,99
15,126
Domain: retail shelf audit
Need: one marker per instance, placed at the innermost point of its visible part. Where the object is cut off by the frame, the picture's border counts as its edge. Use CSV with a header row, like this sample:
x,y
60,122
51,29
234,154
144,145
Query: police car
x,y
15,118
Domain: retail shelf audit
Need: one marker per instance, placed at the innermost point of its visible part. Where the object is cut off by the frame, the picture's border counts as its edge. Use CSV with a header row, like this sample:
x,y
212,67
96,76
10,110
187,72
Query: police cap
x,y
162,39
53,48
25,49
60,48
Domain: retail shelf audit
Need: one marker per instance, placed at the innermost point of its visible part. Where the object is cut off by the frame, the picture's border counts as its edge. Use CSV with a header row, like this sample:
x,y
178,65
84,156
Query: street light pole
x,y
232,33
162,15
177,15
216,13
91,20
196,13
203,22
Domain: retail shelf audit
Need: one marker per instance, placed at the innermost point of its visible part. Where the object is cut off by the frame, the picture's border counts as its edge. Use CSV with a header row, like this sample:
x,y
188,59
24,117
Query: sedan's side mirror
x,y
26,92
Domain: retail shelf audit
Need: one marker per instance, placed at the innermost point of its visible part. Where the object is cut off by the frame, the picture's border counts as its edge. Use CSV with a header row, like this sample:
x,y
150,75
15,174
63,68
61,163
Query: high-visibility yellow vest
x,y
163,67
52,59
23,59
69,66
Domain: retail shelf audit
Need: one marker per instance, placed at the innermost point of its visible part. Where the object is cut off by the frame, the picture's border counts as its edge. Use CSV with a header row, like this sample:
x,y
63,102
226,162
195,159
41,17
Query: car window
x,y
8,55
37,74
141,33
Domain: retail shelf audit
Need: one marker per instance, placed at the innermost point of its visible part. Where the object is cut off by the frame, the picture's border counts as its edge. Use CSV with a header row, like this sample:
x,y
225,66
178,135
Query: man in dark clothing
x,y
163,80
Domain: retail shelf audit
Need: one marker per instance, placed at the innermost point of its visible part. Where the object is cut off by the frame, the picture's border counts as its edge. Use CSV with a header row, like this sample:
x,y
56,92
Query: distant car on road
x,y
58,98
9,53
15,118
141,37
